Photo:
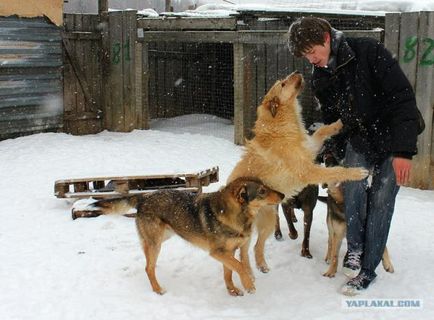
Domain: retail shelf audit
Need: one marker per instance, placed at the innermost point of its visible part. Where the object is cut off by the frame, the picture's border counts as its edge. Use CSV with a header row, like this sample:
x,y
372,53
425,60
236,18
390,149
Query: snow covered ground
x,y
52,267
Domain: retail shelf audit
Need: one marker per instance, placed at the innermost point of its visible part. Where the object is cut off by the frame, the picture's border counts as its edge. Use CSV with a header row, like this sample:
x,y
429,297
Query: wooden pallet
x,y
104,187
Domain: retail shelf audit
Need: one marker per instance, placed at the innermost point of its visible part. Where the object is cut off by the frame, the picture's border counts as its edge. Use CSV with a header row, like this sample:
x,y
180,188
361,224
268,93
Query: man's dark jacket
x,y
366,88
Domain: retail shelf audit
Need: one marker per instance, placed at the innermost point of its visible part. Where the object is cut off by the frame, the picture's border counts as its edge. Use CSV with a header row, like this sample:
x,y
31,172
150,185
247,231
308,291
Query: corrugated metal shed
x,y
31,87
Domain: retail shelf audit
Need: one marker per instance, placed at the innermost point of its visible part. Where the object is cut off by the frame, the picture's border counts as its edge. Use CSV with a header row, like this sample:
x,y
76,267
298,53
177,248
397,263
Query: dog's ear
x,y
243,195
273,105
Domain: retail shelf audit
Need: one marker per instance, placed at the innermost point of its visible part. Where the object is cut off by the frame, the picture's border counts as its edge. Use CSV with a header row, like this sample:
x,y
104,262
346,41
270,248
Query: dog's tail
x,y
87,208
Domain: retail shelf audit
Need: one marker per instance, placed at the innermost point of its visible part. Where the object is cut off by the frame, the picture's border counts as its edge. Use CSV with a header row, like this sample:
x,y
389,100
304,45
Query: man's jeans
x,y
369,209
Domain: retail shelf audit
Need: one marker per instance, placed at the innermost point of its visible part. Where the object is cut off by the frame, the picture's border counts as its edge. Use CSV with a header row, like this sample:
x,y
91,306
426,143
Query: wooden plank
x,y
138,57
81,35
244,91
421,173
261,88
93,75
77,68
80,186
129,36
82,86
82,116
121,186
408,37
114,194
246,36
104,60
145,86
391,39
200,174
238,94
60,190
102,6
115,77
69,83
193,36
168,23
168,6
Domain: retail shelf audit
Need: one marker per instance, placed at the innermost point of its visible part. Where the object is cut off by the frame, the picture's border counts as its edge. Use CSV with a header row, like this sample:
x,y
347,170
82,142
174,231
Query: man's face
x,y
319,54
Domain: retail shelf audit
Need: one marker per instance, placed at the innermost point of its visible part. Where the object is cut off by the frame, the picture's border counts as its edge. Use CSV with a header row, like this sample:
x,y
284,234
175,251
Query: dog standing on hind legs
x,y
282,155
218,222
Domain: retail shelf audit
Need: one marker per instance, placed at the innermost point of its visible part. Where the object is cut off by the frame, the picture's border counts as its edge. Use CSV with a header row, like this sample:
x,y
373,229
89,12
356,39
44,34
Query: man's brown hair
x,y
306,32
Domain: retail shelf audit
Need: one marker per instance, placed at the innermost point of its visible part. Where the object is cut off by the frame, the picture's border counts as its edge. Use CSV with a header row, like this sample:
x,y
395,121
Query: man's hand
x,y
402,168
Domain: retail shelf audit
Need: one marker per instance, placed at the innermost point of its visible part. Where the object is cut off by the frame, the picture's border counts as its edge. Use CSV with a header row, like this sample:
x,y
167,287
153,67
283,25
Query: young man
x,y
357,80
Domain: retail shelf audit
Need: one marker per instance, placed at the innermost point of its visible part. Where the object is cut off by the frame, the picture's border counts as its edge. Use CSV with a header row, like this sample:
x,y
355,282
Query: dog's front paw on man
x,y
358,173
336,127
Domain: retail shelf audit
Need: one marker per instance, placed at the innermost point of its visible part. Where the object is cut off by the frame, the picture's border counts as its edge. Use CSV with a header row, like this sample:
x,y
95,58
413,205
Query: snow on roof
x,y
227,10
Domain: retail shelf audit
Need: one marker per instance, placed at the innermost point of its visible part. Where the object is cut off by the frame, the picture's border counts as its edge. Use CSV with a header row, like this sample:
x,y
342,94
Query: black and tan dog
x,y
337,228
305,200
218,222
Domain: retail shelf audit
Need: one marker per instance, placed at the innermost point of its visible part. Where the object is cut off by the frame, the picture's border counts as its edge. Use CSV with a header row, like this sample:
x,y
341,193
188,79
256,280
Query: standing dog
x,y
218,222
337,226
282,155
305,200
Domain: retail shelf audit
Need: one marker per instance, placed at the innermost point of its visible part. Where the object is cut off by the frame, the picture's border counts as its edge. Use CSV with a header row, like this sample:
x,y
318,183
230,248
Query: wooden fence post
x,y
244,91
409,38
143,81
120,84
422,172
129,37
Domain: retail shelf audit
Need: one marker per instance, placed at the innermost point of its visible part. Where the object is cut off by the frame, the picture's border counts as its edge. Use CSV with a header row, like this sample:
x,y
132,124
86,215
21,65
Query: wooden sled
x,y
111,187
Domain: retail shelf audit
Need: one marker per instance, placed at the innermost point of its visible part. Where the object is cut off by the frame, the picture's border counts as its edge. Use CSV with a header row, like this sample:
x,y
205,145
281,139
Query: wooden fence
x,y
102,73
82,94
410,37
124,83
